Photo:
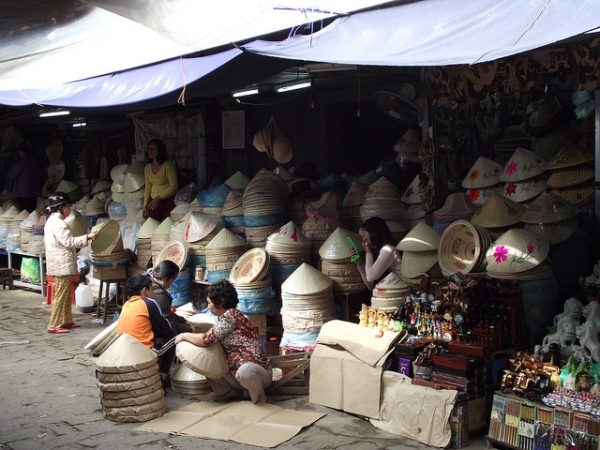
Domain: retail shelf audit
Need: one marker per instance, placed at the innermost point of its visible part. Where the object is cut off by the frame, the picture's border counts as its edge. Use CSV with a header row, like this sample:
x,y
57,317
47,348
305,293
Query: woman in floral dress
x,y
248,367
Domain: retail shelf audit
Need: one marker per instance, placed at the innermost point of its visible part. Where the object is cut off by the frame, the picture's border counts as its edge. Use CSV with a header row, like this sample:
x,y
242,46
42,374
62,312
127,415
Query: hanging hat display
x,y
522,165
548,114
499,211
484,173
56,171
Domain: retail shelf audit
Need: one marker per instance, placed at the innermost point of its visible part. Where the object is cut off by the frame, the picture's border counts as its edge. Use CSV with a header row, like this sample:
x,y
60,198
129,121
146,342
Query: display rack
x,y
18,283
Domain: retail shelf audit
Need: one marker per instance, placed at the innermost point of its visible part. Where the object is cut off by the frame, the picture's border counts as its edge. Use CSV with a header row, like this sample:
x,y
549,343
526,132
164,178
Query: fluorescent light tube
x,y
294,86
245,92
55,113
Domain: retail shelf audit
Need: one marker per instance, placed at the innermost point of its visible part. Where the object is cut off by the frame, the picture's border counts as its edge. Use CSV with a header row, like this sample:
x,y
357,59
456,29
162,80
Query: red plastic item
x,y
50,288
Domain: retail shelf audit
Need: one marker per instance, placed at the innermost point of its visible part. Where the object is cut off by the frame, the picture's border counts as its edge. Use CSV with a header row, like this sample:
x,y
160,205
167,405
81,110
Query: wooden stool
x,y
106,284
295,370
6,277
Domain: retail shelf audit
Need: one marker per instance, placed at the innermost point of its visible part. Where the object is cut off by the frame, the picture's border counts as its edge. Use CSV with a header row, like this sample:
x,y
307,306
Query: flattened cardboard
x,y
263,425
346,368
416,412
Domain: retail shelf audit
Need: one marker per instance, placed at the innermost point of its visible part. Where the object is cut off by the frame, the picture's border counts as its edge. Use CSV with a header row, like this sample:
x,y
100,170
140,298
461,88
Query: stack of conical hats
x,y
221,254
307,303
390,293
552,216
572,175
420,254
27,229
498,215
13,240
520,255
213,199
383,200
302,191
353,200
249,276
76,223
143,242
161,236
462,248
288,247
232,216
324,216
106,251
134,184
196,230
179,211
264,202
412,198
521,176
130,385
117,187
36,242
336,254
483,180
5,222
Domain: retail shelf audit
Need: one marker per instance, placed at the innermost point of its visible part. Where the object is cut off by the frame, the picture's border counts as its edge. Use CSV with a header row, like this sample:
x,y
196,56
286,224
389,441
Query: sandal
x,y
57,330
70,325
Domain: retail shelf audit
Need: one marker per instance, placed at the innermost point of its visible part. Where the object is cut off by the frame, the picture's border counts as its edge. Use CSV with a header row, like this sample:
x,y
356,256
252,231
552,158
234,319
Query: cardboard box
x,y
109,273
259,322
478,416
347,367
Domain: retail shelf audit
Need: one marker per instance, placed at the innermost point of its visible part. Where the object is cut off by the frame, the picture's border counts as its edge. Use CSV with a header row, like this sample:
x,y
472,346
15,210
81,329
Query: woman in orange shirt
x,y
141,318
161,182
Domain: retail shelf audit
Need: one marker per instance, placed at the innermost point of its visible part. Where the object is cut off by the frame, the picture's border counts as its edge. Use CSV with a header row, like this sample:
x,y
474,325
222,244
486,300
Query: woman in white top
x,y
381,255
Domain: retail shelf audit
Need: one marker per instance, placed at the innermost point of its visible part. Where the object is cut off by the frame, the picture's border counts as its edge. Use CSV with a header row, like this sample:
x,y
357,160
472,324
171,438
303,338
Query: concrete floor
x,y
50,398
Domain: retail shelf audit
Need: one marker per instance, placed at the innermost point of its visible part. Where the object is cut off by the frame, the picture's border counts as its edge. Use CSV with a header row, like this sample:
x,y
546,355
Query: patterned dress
x,y
239,340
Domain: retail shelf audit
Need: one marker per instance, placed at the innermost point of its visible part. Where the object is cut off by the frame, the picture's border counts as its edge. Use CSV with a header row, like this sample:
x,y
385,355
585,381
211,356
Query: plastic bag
x,y
30,270
186,194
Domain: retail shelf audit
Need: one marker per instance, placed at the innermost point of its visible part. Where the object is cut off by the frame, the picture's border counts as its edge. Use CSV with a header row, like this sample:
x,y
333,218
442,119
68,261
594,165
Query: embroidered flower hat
x,y
522,191
516,251
480,197
483,173
523,164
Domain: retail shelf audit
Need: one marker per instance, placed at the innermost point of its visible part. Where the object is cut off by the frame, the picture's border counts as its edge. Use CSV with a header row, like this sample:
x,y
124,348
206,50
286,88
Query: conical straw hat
x,y
570,176
180,210
67,186
134,182
238,181
21,215
516,251
233,200
555,232
578,195
479,197
126,354
198,226
421,238
306,280
521,191
164,228
483,173
413,194
108,239
225,239
214,196
117,173
457,205
337,246
290,234
391,282
100,185
136,167
76,223
549,207
355,195
414,264
94,206
147,228
523,164
570,155
499,211
409,142
117,187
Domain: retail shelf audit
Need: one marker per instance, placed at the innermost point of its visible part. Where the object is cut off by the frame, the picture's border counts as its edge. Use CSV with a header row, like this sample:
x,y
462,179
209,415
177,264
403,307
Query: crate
x,y
294,370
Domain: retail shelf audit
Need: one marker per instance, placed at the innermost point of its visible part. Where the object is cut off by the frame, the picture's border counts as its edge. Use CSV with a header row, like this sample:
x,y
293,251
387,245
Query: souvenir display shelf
x,y
519,423
18,283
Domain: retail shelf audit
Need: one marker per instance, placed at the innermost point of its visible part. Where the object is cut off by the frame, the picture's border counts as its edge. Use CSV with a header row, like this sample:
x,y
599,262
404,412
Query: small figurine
x,y
363,315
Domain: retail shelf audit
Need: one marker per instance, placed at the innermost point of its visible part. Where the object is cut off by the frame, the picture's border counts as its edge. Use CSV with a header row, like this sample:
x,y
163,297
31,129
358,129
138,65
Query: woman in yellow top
x,y
161,182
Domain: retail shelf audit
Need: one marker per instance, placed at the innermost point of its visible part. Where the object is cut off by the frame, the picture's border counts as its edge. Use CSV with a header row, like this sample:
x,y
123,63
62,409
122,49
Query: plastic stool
x,y
50,288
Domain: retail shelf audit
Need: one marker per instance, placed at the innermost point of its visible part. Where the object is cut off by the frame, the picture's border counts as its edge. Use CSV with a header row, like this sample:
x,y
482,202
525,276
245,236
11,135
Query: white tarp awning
x,y
442,32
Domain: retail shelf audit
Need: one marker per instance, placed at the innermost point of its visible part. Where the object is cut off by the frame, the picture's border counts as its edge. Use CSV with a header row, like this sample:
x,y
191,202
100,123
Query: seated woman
x,y
163,275
248,365
142,319
381,255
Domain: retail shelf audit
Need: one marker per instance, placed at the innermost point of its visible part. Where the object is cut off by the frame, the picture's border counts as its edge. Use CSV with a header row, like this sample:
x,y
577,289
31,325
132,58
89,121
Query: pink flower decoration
x,y
512,168
530,247
501,254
